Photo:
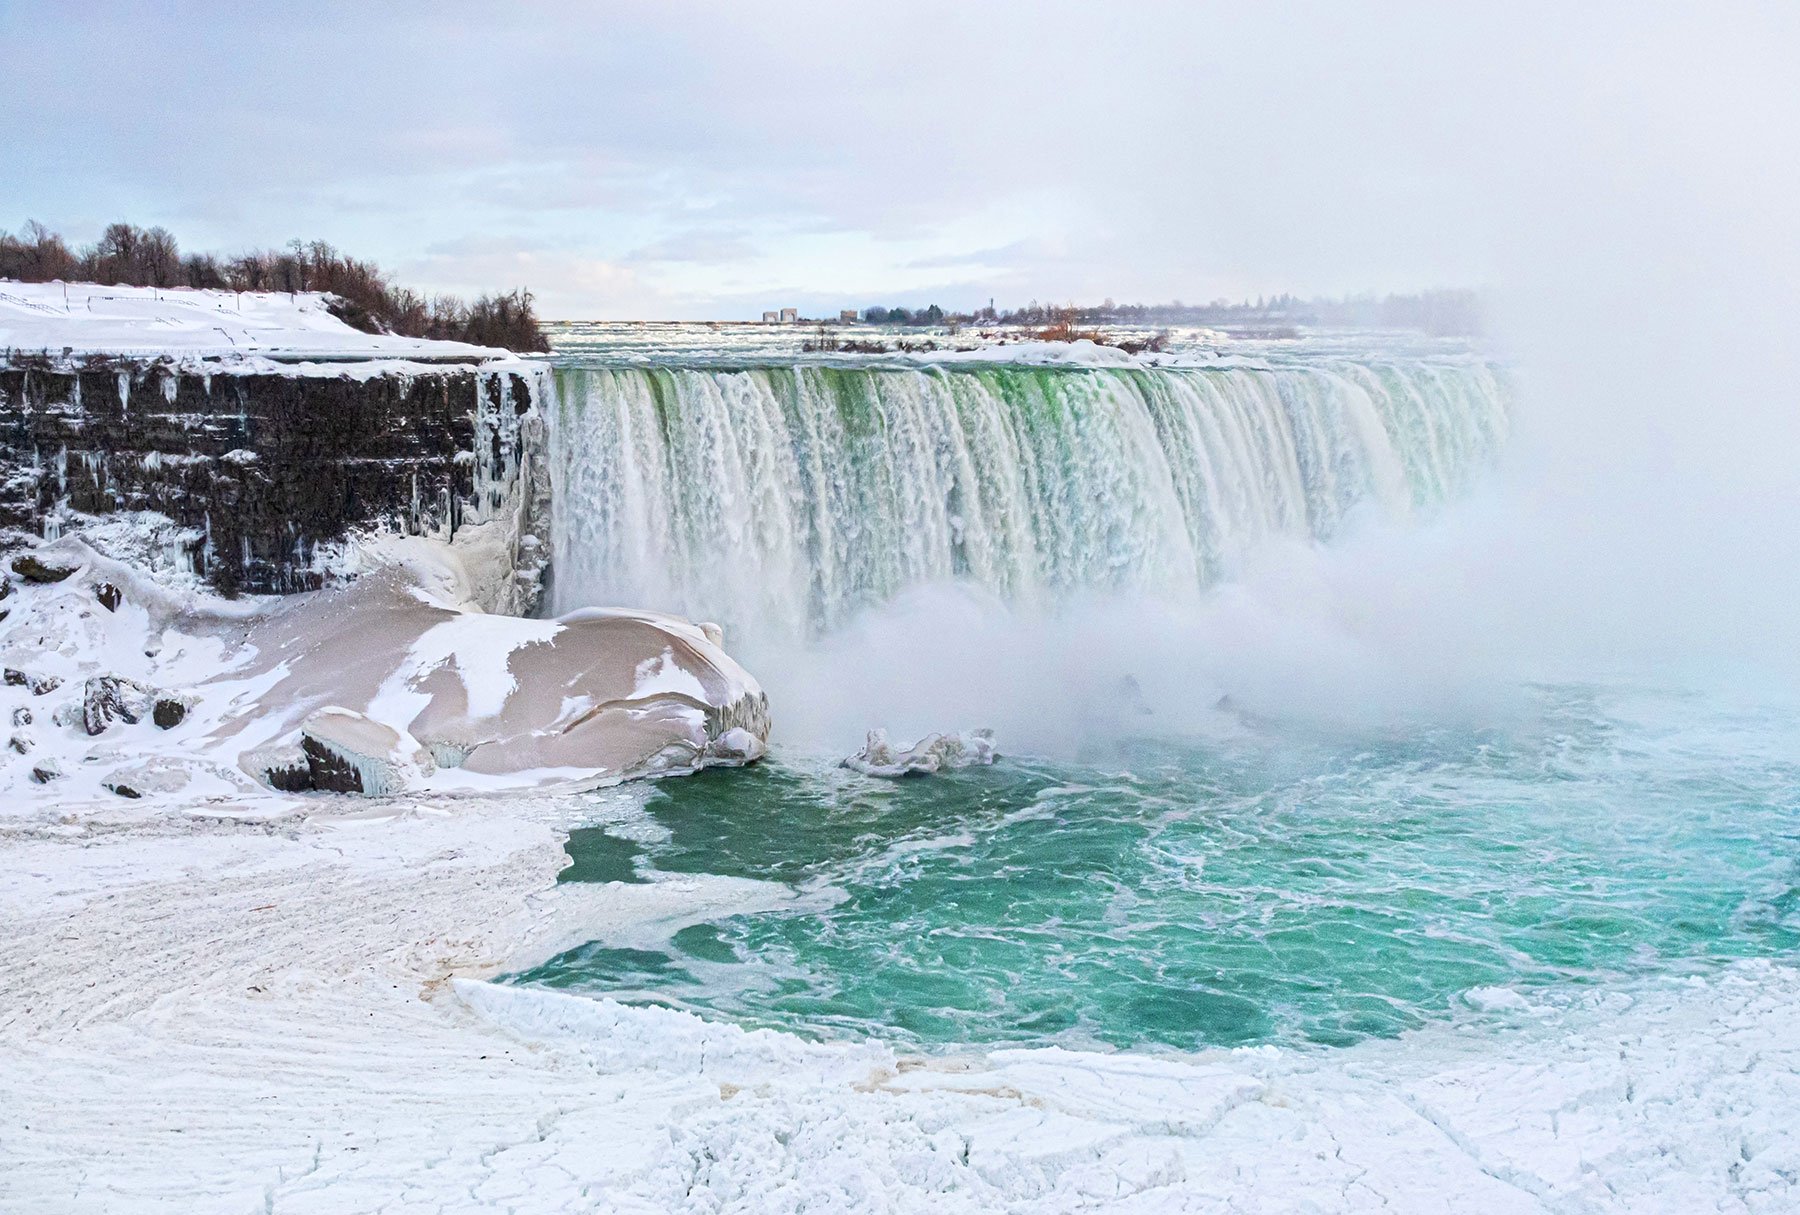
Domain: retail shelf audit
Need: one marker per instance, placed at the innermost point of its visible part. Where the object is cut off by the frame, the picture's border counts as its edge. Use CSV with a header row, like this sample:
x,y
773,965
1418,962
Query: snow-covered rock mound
x,y
391,684
931,754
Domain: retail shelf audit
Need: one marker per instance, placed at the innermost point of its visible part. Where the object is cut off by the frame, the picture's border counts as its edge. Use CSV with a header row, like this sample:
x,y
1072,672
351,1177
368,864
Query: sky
x,y
705,160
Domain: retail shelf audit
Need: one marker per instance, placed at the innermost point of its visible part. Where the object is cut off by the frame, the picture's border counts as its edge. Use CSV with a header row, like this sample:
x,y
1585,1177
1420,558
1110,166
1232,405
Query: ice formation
x,y
396,682
933,753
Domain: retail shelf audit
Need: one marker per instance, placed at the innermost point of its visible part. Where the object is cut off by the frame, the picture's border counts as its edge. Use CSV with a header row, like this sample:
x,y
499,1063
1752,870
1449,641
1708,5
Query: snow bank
x,y
87,318
394,683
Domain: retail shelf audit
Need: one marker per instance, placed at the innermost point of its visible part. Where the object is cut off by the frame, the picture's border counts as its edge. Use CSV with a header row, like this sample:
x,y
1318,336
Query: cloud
x,y
730,152
566,284
704,247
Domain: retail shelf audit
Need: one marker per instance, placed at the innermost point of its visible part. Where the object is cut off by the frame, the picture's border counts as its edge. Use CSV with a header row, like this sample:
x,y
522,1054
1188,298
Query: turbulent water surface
x,y
1213,878
1254,888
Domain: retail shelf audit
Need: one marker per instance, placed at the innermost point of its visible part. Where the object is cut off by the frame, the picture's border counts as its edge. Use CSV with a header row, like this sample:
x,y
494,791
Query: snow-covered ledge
x,y
266,434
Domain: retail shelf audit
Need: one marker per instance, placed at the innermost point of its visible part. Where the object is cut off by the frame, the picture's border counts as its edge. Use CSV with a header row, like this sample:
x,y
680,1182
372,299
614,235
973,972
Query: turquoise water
x,y
1260,886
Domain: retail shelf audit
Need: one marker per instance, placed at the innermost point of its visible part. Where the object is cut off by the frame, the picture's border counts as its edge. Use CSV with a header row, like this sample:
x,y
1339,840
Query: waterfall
x,y
782,499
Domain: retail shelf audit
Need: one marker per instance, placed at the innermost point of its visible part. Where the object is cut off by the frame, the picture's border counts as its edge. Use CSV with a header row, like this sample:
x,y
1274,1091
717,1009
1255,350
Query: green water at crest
x,y
1259,887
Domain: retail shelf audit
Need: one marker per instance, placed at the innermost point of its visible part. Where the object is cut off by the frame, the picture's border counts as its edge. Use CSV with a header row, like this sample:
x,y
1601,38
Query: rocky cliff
x,y
265,471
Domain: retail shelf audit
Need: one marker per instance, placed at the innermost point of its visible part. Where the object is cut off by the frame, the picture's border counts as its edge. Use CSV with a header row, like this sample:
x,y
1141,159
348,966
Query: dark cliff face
x,y
266,466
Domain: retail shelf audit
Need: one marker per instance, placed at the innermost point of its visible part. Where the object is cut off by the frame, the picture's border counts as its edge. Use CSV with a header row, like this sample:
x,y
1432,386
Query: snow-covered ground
x,y
123,685
219,1015
218,998
89,318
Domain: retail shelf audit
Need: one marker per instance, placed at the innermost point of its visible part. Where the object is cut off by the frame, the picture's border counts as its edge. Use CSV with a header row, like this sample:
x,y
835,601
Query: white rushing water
x,y
782,499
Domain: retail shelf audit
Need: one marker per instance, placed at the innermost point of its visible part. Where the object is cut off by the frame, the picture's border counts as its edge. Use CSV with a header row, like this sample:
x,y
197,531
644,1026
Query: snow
x,y
385,759
88,318
294,1016
1080,353
1083,352
479,647
401,657
663,675
933,753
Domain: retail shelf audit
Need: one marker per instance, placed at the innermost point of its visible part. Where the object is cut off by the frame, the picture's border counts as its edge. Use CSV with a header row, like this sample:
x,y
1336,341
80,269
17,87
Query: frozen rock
x,y
158,774
110,596
110,698
37,685
429,695
933,753
502,701
736,745
347,752
281,767
45,772
41,570
168,711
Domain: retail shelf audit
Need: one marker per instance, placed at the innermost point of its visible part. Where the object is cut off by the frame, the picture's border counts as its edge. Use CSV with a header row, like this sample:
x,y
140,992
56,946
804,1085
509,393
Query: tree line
x,y
126,255
1444,313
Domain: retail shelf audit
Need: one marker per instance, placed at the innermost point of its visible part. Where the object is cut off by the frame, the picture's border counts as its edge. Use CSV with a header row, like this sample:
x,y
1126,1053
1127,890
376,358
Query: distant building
x,y
790,316
848,316
770,318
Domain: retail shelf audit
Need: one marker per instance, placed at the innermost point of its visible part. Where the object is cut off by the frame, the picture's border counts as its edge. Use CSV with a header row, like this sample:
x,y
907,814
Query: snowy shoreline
x,y
290,1015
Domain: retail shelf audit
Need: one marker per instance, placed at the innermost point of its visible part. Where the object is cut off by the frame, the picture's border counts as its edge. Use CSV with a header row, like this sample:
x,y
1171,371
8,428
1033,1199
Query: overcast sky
x,y
693,160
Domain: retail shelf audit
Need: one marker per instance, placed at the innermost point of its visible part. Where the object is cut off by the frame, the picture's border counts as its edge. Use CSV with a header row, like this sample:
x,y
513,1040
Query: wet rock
x,y
33,568
281,766
37,685
46,772
327,770
290,778
168,712
110,698
110,596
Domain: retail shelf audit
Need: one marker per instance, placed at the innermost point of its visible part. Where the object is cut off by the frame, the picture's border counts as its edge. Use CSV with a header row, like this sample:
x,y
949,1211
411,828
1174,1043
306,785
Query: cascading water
x,y
1219,819
781,499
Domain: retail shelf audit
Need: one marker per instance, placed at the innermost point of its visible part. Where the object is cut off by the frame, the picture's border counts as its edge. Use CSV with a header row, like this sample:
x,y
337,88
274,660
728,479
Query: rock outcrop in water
x,y
931,754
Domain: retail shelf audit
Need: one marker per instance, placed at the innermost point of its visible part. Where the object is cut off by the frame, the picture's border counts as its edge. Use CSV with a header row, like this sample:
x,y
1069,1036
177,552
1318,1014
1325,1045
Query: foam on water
x,y
1262,887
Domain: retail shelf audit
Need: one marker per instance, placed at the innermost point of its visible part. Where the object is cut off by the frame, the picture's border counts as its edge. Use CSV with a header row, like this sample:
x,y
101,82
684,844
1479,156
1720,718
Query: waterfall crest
x,y
782,499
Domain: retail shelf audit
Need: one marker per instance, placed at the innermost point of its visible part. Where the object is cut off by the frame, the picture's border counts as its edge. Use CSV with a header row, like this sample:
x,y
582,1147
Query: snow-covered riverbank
x,y
184,323
218,1015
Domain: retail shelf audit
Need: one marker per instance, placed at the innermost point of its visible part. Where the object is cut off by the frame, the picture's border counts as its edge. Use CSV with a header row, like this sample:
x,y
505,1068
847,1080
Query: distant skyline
x,y
711,161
